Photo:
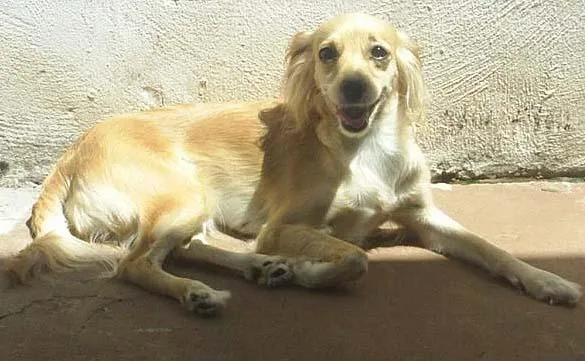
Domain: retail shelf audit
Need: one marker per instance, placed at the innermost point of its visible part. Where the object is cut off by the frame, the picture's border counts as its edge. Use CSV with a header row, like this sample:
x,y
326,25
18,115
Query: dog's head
x,y
348,70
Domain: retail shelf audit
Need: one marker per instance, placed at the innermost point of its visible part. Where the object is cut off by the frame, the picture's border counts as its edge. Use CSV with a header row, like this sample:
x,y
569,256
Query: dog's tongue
x,y
354,117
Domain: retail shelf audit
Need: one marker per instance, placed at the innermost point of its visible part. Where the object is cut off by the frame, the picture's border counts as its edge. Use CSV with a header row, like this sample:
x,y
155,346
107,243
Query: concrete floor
x,y
412,305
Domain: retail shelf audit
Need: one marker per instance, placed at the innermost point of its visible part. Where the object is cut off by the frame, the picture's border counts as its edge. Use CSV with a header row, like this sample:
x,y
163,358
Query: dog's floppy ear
x,y
299,79
411,85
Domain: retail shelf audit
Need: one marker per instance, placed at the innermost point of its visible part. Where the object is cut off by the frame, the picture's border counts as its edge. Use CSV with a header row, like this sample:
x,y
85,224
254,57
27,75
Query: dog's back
x,y
123,171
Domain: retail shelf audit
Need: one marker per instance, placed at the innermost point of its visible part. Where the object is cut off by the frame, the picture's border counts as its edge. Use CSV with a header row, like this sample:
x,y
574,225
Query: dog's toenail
x,y
205,306
197,297
279,272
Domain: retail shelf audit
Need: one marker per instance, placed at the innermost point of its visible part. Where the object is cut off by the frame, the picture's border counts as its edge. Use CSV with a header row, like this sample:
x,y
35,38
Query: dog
x,y
311,178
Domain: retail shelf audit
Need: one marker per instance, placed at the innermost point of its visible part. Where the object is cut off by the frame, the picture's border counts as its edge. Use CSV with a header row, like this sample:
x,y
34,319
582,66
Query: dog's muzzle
x,y
355,118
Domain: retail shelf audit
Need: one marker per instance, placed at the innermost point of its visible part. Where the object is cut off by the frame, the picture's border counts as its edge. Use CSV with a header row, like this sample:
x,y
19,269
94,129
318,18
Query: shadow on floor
x,y
429,309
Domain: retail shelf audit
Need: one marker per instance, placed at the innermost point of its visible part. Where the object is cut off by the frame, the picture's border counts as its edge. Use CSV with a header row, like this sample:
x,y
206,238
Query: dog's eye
x,y
379,53
328,54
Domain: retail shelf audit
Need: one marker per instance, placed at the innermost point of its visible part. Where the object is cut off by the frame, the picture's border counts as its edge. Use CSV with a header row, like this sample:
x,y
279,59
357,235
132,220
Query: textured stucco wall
x,y
507,78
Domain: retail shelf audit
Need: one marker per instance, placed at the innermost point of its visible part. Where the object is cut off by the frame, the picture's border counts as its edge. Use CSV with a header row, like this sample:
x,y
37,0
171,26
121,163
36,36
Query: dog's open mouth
x,y
355,118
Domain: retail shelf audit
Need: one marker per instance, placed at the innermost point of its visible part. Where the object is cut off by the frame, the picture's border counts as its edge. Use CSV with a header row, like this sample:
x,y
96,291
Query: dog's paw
x,y
548,287
205,302
270,271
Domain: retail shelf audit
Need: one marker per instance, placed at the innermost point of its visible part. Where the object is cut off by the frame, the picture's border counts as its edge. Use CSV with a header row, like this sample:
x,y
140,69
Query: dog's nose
x,y
354,89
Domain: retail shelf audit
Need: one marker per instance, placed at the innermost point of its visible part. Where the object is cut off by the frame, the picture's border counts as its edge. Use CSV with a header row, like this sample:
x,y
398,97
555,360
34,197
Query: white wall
x,y
507,77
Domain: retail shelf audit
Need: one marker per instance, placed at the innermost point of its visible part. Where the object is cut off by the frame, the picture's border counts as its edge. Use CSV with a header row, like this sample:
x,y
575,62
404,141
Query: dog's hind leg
x,y
266,270
174,225
286,253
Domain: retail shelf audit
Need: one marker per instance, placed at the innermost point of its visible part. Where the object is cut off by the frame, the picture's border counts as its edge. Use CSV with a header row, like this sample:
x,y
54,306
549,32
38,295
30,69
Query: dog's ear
x,y
411,84
299,86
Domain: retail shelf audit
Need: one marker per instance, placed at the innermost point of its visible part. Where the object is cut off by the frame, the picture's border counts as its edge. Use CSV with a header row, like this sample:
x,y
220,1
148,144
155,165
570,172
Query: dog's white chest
x,y
373,174
368,193
372,179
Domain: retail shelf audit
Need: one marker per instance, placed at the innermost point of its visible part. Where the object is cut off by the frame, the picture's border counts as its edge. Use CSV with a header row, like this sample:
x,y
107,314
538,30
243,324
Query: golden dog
x,y
311,178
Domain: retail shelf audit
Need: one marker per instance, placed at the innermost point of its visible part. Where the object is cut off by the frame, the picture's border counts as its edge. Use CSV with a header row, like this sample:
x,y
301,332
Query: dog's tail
x,y
54,248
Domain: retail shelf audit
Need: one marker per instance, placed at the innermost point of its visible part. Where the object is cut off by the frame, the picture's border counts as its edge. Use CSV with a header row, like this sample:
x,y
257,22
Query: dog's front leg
x,y
317,259
441,234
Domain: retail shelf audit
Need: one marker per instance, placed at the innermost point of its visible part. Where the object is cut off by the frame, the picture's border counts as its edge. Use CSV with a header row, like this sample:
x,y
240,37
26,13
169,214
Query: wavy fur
x,y
327,174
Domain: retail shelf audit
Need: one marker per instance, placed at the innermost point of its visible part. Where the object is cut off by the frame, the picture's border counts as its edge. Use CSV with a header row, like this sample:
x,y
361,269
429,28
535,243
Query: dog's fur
x,y
308,177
